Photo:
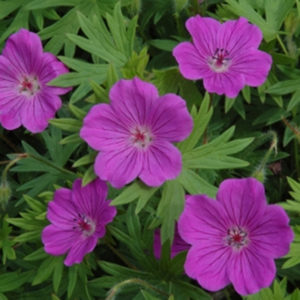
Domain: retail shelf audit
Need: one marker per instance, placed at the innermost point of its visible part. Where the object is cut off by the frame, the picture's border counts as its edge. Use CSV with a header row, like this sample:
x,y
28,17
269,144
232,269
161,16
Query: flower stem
x,y
116,252
50,164
282,44
9,165
113,292
8,142
266,157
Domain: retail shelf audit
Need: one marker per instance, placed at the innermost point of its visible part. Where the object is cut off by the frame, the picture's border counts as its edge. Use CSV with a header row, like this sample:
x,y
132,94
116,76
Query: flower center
x,y
141,137
236,237
220,61
84,224
28,86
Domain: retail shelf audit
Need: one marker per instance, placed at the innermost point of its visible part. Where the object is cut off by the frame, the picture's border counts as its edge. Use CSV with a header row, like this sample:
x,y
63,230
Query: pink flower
x,y
224,55
134,134
234,239
25,98
177,246
78,218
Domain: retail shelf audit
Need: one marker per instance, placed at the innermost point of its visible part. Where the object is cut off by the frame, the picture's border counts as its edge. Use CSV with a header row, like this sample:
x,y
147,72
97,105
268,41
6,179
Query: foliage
x,y
255,134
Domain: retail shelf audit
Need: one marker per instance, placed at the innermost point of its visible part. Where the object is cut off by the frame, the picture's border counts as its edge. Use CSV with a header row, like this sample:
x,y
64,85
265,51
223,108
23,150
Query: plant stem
x,y
115,251
8,142
48,163
282,44
138,281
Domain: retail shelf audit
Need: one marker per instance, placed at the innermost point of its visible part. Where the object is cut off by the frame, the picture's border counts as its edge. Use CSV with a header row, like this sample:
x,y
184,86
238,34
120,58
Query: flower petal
x,y
24,50
119,166
207,263
254,65
162,161
132,99
238,35
49,69
249,272
61,211
36,112
9,113
203,32
103,129
79,249
170,119
91,200
229,83
192,65
203,219
57,241
244,200
272,236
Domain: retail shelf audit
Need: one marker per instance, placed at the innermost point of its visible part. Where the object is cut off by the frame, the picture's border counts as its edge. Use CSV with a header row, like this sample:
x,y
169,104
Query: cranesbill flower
x,y
225,56
25,98
134,134
78,218
177,246
234,238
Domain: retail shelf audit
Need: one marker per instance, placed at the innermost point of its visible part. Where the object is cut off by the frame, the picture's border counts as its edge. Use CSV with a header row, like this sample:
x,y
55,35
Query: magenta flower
x,y
234,239
224,55
134,134
78,218
177,246
25,98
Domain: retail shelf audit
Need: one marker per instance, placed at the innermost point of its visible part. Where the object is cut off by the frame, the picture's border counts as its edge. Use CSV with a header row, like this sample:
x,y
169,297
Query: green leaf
x,y
201,120
137,190
294,253
295,101
215,155
136,65
11,281
45,270
166,45
148,296
276,12
112,76
194,184
169,208
85,160
88,176
71,139
67,124
72,279
284,87
57,273
244,8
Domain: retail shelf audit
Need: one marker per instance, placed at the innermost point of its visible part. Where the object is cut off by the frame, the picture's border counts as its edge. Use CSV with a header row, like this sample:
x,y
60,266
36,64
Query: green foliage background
x,y
256,134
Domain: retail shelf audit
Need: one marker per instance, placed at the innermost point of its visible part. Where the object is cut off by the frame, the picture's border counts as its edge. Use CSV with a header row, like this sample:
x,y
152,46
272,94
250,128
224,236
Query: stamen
x,y
84,224
220,60
28,85
236,237
141,137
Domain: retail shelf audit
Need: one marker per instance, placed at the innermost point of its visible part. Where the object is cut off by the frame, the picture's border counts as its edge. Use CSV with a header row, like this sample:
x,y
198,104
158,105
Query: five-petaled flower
x,y
134,134
25,70
225,56
234,238
78,218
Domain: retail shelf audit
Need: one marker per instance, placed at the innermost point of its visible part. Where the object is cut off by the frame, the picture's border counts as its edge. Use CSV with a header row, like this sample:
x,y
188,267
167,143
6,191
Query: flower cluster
x,y
233,239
